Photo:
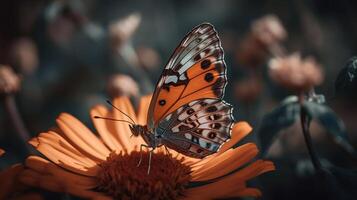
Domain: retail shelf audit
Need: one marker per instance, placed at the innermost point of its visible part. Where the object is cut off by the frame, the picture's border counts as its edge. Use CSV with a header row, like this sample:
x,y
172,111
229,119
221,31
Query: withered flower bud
x,y
265,35
121,31
9,81
148,57
268,30
295,73
122,85
24,55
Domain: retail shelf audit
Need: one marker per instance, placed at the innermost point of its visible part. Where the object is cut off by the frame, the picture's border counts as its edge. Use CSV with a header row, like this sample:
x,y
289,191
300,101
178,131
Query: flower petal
x,y
58,142
105,128
143,109
233,184
81,137
7,187
62,158
214,191
45,167
48,182
249,192
122,129
239,131
225,163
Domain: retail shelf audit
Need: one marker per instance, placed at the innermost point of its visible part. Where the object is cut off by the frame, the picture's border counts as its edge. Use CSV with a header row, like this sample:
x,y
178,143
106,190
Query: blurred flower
x,y
106,167
24,55
265,36
9,81
295,73
148,57
268,30
10,187
248,90
121,31
122,85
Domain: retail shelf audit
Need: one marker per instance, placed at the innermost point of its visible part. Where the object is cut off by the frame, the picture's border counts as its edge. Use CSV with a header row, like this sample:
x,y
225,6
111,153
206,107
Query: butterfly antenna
x,y
111,119
110,103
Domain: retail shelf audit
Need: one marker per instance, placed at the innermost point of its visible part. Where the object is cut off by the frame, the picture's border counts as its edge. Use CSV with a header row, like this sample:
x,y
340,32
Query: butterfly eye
x,y
162,102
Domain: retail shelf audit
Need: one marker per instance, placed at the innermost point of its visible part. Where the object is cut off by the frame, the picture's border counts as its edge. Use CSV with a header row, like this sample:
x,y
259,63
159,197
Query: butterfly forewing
x,y
196,70
198,128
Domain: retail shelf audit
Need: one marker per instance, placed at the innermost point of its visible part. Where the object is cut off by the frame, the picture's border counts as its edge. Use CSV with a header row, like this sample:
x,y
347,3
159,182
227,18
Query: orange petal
x,y
105,128
232,184
48,182
214,191
122,129
255,169
225,163
43,166
249,192
81,137
8,183
58,142
1,152
144,109
239,131
63,160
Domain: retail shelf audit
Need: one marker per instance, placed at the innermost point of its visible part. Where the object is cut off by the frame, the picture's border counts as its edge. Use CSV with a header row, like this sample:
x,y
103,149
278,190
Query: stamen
x,y
121,178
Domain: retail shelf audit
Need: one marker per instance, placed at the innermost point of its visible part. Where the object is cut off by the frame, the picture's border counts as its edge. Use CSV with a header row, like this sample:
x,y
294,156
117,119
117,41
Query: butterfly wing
x,y
196,70
198,128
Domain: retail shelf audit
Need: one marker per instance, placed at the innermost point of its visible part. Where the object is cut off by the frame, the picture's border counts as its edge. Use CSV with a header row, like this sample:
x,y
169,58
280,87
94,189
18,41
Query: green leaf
x,y
331,122
280,118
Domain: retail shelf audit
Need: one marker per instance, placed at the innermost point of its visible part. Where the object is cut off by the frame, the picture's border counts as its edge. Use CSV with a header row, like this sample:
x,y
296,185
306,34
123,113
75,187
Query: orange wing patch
x,y
204,82
166,99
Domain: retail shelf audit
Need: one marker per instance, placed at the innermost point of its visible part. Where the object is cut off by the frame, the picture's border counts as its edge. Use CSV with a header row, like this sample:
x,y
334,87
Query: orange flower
x,y
9,184
105,167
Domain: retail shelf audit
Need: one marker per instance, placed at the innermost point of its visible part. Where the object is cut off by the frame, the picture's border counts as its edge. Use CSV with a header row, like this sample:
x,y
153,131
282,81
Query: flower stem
x,y
11,109
305,124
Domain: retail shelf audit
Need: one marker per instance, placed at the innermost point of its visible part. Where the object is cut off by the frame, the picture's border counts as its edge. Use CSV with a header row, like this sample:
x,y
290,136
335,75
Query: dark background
x,y
73,63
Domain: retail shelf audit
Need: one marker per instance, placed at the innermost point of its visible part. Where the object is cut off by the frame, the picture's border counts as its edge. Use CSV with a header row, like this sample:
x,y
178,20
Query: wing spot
x,y
217,116
183,128
208,145
205,64
212,109
209,77
212,135
199,150
162,102
216,126
203,104
190,111
219,67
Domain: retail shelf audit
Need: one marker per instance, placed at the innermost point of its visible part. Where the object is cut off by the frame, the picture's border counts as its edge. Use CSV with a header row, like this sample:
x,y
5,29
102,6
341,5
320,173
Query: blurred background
x,y
71,55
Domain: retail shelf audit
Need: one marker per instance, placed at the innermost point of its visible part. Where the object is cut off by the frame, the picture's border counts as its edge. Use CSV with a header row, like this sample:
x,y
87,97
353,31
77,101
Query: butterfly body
x,y
187,112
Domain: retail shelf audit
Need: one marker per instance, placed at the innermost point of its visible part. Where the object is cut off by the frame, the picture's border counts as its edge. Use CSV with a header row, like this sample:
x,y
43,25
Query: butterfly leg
x,y
167,150
141,154
150,155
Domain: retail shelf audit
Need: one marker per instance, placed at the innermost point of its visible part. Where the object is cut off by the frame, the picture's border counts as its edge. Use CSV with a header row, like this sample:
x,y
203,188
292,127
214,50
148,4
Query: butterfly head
x,y
137,130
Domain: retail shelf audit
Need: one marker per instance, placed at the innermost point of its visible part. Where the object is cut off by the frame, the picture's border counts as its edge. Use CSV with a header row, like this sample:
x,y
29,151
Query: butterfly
x,y
187,112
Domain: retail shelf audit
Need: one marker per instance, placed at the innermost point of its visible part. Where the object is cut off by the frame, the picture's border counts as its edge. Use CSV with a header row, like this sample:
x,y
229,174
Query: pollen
x,y
121,178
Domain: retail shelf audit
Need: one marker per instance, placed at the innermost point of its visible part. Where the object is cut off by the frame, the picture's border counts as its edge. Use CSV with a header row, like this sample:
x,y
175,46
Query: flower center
x,y
120,177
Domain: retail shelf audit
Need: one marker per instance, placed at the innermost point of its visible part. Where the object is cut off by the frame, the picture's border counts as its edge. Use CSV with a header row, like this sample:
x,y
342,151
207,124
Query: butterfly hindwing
x,y
196,70
198,128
